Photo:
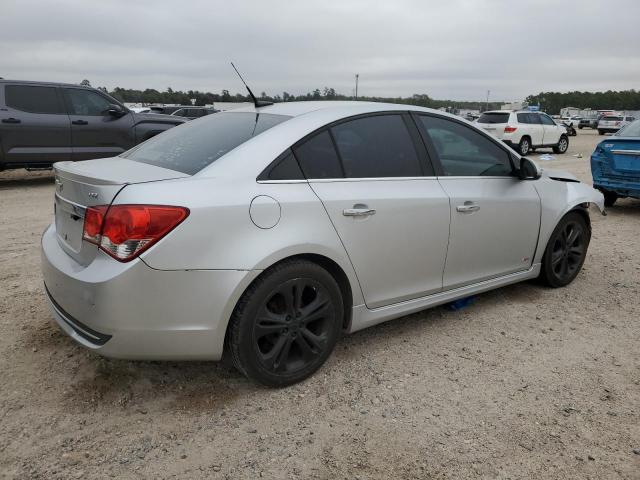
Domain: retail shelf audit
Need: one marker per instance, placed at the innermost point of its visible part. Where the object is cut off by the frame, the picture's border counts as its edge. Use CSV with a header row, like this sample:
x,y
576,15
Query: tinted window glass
x,y
86,102
523,118
497,117
546,120
465,152
32,99
318,158
611,118
190,147
375,147
284,168
534,118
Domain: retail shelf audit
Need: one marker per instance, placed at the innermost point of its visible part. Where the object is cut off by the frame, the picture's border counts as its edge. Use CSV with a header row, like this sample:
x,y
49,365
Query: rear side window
x,y
285,167
33,99
464,151
376,147
318,158
494,117
193,146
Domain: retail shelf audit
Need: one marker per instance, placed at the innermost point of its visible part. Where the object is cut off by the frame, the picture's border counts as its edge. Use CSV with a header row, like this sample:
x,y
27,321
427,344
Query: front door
x,y
388,209
95,133
552,131
495,217
34,126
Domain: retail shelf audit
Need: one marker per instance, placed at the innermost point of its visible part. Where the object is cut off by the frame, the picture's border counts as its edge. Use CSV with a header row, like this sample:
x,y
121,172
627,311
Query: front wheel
x,y
566,251
610,198
562,146
286,324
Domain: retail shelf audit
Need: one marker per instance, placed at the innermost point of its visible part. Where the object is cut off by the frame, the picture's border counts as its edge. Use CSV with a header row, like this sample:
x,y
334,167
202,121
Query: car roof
x,y
49,84
341,108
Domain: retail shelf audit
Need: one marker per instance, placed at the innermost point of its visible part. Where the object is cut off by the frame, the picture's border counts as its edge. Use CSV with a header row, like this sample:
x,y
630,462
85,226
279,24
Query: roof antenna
x,y
256,102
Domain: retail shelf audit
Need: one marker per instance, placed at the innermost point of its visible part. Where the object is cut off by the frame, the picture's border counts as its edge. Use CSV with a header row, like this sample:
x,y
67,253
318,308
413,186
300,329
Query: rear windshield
x,y
494,117
612,119
631,130
195,145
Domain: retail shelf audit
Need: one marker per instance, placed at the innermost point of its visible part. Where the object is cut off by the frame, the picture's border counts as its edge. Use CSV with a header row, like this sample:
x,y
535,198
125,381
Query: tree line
x,y
552,102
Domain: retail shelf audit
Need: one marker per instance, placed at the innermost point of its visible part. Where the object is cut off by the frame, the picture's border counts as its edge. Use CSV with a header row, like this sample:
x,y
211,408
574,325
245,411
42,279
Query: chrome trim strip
x,y
77,208
626,152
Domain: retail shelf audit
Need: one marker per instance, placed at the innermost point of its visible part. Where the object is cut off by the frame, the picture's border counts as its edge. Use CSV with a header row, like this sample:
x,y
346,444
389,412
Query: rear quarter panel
x,y
219,233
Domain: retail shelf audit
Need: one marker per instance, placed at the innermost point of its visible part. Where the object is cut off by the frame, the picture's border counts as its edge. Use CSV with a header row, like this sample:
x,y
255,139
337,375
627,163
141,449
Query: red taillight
x,y
510,129
125,231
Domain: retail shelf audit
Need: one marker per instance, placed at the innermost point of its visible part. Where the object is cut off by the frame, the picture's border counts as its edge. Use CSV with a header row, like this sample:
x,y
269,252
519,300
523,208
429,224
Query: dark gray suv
x,y
43,123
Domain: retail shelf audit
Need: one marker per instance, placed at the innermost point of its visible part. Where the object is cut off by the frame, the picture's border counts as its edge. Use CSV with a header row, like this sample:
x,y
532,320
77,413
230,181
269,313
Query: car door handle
x,y
358,211
80,122
11,120
468,207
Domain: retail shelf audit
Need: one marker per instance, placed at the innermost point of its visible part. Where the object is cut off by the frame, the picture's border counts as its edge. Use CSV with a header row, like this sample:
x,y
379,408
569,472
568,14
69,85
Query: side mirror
x,y
116,110
528,170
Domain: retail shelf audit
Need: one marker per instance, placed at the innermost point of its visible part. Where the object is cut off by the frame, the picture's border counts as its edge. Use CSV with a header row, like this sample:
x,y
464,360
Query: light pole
x,y
487,105
357,75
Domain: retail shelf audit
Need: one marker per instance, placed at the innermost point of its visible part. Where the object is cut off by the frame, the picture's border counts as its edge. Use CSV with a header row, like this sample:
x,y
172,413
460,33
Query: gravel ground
x,y
528,382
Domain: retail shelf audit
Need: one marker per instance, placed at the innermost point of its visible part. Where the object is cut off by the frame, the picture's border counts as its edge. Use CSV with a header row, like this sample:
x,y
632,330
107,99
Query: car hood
x,y
156,118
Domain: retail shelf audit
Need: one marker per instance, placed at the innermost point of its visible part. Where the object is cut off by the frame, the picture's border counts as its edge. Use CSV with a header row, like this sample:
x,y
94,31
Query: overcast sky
x,y
448,49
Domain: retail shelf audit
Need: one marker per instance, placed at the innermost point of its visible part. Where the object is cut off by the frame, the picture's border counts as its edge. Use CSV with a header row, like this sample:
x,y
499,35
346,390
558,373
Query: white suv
x,y
612,123
525,131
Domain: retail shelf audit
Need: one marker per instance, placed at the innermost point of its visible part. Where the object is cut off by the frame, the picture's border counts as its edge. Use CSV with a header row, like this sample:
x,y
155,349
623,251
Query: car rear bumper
x,y
622,189
130,310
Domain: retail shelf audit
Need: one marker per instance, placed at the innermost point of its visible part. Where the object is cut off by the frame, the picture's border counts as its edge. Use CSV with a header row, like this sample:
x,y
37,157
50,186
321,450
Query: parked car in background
x,y
43,123
263,234
573,121
525,131
613,123
191,113
140,109
615,164
588,123
571,131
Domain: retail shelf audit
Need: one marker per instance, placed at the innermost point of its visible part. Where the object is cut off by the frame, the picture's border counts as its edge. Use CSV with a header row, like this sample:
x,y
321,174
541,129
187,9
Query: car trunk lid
x,y
494,123
80,185
625,155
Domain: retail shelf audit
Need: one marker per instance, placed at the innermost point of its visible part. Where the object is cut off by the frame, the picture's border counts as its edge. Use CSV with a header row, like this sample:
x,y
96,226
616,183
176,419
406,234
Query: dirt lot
x,y
526,383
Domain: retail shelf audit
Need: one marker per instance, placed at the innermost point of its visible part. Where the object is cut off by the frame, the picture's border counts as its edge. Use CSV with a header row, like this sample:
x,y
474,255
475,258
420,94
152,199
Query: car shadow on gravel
x,y
15,179
96,383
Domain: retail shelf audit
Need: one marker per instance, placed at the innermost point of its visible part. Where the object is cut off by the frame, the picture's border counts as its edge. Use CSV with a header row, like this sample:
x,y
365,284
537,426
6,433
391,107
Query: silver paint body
x,y
416,251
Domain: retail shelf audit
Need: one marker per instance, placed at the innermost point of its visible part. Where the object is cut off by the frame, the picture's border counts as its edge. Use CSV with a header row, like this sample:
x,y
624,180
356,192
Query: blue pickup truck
x,y
615,164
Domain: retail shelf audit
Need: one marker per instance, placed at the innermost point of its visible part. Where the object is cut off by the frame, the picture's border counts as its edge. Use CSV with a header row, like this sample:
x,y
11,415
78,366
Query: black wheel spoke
x,y
557,257
273,357
316,342
267,326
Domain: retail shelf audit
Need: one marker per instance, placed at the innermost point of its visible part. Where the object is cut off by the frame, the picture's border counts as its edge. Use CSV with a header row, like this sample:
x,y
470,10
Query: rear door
x,y
552,131
392,215
530,125
495,217
34,126
94,132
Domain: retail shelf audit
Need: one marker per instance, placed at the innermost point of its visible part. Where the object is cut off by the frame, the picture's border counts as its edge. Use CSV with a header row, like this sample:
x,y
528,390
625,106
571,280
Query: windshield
x,y
631,130
492,117
195,145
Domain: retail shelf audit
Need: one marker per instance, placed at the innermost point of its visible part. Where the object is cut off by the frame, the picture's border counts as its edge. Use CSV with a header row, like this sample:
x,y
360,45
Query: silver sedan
x,y
263,234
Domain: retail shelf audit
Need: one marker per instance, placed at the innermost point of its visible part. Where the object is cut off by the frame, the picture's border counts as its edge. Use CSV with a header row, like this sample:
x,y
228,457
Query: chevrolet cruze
x,y
263,234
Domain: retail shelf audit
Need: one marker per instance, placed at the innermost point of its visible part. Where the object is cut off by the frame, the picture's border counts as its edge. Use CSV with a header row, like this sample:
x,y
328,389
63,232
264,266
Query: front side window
x,y
193,146
33,99
546,119
376,147
463,151
86,102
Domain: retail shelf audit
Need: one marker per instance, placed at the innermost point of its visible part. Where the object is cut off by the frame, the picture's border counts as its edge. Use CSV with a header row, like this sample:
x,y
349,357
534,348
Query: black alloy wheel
x,y
566,250
286,324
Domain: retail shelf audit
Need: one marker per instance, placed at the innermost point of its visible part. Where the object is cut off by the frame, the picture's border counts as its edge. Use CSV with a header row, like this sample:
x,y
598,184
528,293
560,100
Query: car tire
x,y
580,127
600,132
524,147
566,251
609,198
562,146
286,324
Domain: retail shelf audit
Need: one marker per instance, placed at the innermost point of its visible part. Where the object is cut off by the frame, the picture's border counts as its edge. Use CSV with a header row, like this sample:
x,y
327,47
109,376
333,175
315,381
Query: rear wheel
x,y
524,147
286,324
562,146
600,132
566,251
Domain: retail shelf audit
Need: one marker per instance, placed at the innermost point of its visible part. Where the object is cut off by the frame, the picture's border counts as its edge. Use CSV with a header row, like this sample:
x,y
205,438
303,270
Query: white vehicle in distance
x,y
524,131
613,123
264,233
